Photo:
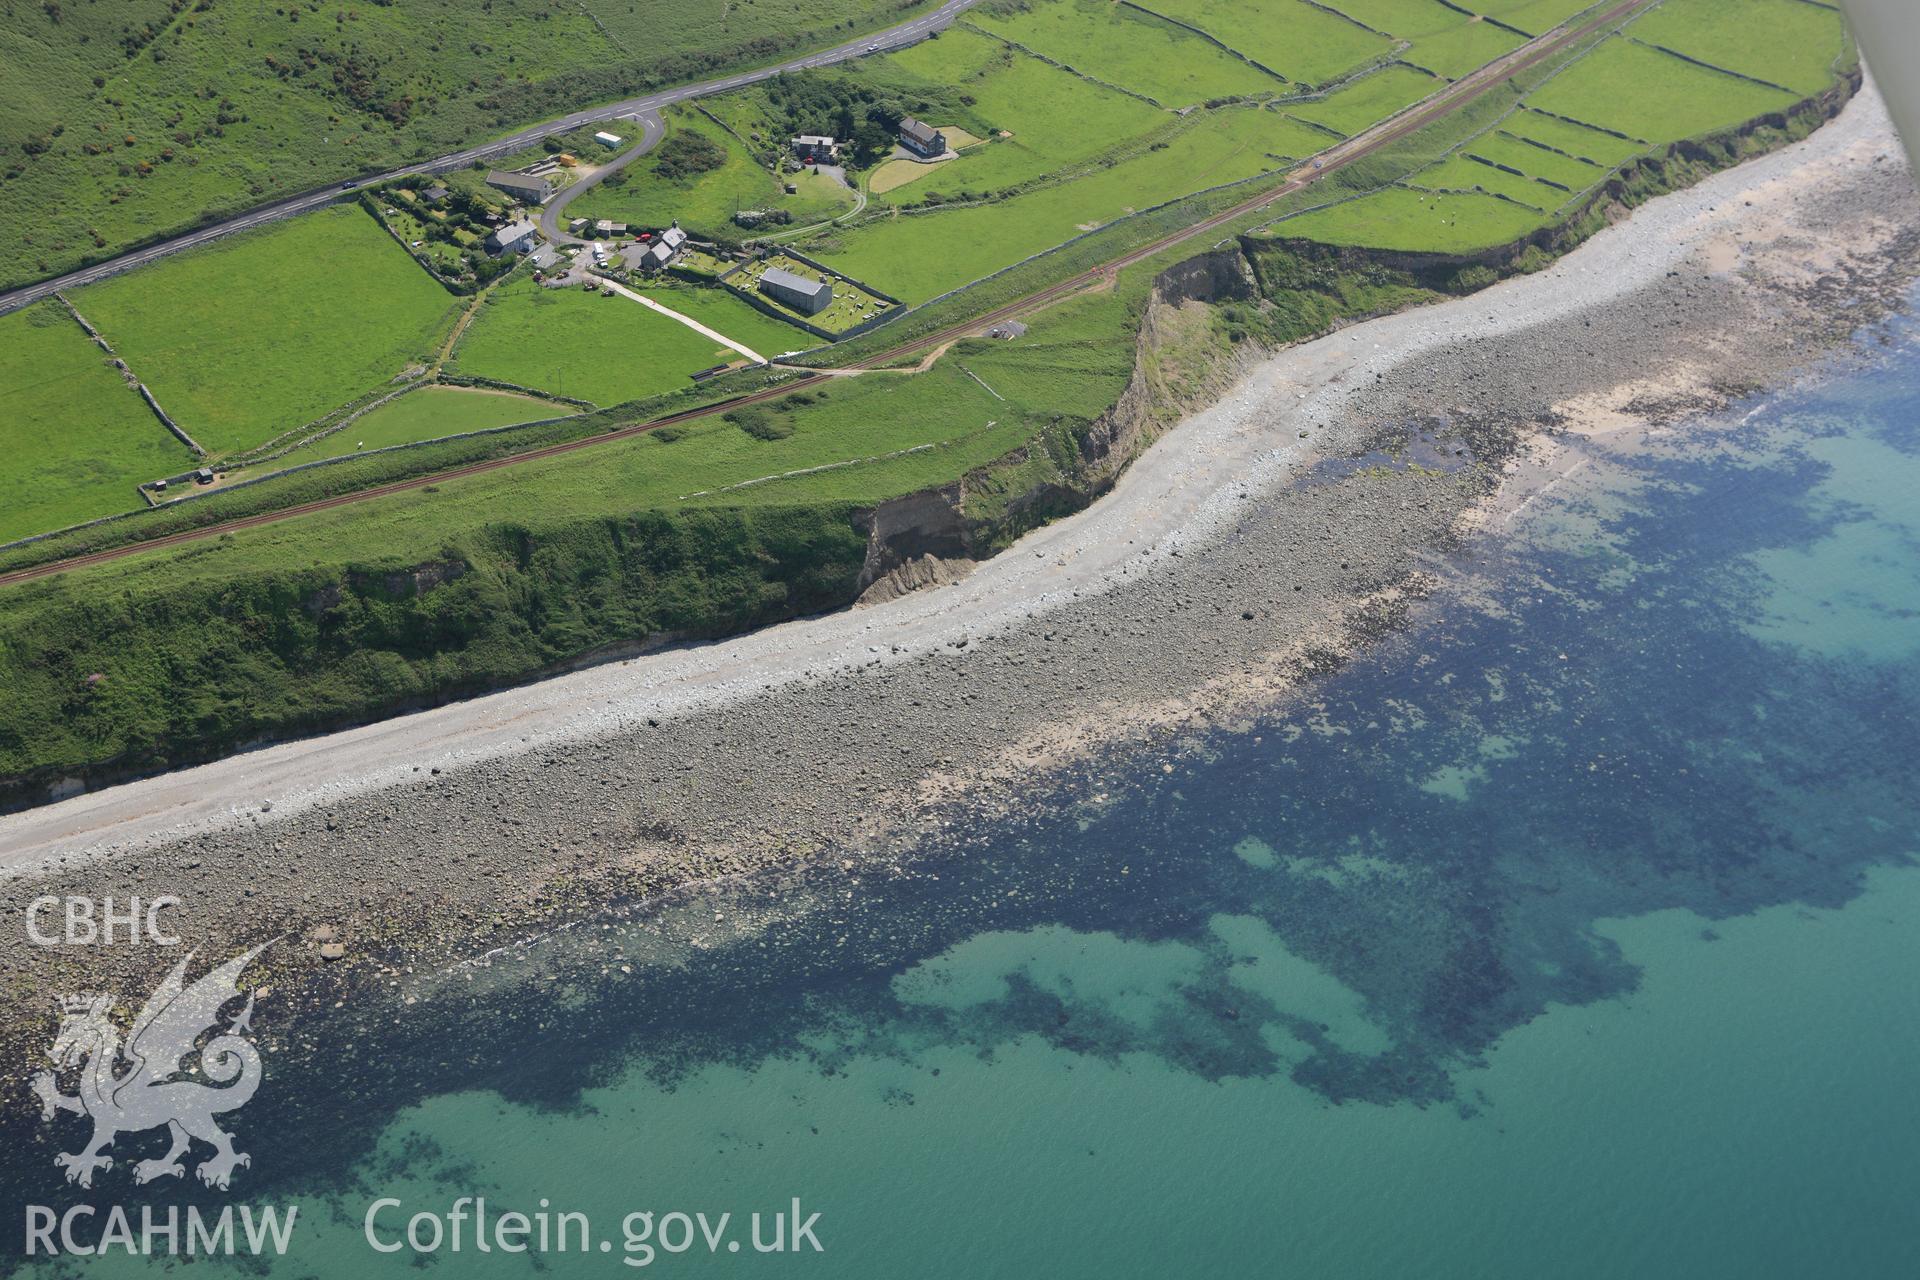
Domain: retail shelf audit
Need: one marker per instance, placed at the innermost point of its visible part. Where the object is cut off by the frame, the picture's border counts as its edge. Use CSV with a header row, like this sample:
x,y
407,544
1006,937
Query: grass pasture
x,y
891,175
1404,219
1463,47
1132,49
1536,162
1057,119
919,256
1578,141
77,441
426,414
724,313
1445,40
1307,45
1653,96
1368,100
1787,42
1463,173
581,343
270,329
1531,16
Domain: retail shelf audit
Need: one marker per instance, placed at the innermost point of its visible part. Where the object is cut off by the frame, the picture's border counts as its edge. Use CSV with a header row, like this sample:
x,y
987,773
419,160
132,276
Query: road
x,y
1418,116
651,104
652,128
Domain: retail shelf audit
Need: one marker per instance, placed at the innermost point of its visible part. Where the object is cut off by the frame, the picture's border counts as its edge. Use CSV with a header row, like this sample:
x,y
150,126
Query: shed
x,y
606,139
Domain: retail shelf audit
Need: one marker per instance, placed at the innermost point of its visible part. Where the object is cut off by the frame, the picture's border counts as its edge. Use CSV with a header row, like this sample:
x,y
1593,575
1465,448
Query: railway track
x,y
1416,117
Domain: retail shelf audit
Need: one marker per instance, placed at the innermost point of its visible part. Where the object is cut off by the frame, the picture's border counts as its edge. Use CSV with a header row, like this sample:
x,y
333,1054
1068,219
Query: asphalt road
x,y
892,38
652,128
1385,133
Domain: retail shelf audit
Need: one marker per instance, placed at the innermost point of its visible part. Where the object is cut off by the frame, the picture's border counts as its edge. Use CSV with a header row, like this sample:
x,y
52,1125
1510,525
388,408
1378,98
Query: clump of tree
x,y
685,154
865,116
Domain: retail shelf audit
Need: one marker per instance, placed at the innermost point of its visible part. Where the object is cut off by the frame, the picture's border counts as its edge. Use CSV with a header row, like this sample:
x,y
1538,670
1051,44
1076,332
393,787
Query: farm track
x,y
1456,95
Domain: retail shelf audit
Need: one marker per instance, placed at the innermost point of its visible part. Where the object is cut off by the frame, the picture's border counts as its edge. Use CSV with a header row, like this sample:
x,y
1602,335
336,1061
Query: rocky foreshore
x,y
1259,543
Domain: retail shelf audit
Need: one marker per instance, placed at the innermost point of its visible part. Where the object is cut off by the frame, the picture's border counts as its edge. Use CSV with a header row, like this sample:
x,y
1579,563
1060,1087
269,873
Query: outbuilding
x,y
606,139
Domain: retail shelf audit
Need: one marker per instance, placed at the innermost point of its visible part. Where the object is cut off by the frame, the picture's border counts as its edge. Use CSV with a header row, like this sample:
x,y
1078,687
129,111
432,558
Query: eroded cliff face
x,y
1181,363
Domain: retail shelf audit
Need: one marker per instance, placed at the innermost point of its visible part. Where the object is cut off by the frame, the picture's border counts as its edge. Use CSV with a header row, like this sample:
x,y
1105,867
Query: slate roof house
x,y
810,297
515,237
520,186
922,139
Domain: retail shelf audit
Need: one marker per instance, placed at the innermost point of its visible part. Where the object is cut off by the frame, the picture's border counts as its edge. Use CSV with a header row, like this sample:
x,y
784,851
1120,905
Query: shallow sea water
x,y
1570,933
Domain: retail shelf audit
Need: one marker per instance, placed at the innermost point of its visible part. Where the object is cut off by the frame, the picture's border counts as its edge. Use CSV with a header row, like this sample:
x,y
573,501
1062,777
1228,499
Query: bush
x,y
760,424
685,154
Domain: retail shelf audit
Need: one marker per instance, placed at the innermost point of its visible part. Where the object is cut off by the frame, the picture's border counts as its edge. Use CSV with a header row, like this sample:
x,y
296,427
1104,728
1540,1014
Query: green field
x,y
722,312
426,414
1603,149
893,254
1536,162
1368,100
1056,118
581,343
268,330
704,202
1461,48
1404,219
1444,40
1131,49
1787,42
128,119
855,420
1462,173
1300,42
1609,88
1531,16
77,440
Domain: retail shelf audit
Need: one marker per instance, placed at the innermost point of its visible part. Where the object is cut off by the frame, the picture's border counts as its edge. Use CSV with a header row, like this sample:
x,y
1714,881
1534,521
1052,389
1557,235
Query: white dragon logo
x,y
153,1090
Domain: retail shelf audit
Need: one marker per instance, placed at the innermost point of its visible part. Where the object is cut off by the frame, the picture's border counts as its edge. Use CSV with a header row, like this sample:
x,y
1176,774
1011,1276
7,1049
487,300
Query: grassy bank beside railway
x,y
729,522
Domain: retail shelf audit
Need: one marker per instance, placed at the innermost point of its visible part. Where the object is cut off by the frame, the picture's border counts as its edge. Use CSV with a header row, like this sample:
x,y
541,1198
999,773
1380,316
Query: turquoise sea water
x,y
1571,933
